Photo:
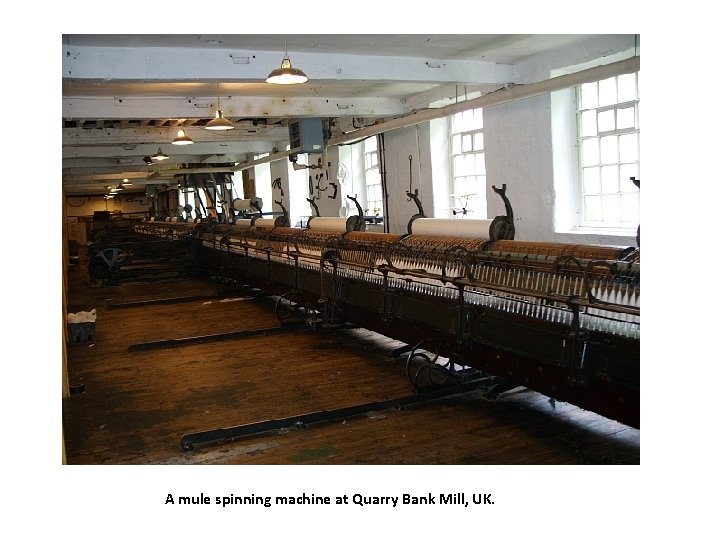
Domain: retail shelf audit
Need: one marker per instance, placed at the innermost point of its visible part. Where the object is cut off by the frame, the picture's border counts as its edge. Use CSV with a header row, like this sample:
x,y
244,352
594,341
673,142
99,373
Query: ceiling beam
x,y
189,64
120,149
232,107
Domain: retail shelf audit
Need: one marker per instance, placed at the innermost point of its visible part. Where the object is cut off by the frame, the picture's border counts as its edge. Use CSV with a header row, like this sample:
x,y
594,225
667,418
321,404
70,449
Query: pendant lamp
x,y
286,74
182,138
219,123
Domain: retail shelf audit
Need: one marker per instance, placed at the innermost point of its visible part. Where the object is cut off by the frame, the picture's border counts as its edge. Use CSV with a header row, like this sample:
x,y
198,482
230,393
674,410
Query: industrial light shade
x,y
219,123
159,156
182,138
286,74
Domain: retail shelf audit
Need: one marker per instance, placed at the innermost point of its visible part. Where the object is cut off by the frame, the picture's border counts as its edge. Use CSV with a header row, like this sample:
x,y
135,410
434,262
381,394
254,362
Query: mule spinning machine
x,y
562,319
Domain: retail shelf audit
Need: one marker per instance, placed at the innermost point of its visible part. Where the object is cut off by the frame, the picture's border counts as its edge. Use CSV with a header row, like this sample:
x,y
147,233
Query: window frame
x,y
592,185
475,203
373,180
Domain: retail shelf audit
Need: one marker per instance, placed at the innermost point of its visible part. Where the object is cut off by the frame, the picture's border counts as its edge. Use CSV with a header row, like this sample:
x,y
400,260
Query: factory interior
x,y
263,271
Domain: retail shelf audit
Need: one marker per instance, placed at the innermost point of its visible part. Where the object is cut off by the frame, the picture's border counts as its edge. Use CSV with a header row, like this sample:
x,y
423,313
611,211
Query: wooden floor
x,y
137,405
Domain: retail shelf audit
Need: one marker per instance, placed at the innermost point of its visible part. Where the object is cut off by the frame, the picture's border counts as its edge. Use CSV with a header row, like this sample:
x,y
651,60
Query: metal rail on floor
x,y
171,300
210,338
225,435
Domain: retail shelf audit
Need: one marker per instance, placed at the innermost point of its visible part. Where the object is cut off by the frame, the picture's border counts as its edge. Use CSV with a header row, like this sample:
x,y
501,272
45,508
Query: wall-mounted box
x,y
306,136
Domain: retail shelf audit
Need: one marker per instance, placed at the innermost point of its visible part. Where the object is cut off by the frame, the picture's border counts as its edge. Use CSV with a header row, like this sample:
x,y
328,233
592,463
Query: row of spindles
x,y
526,292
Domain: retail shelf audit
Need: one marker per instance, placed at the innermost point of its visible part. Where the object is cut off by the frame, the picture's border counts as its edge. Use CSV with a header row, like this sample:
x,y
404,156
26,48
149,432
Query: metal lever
x,y
420,212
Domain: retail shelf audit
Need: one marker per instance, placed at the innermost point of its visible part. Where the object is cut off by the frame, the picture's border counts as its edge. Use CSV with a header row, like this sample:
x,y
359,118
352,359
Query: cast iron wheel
x,y
290,307
423,369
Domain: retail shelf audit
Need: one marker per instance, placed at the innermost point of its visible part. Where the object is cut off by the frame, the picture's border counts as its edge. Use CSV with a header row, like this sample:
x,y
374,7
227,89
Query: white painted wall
x,y
279,169
518,153
399,145
329,168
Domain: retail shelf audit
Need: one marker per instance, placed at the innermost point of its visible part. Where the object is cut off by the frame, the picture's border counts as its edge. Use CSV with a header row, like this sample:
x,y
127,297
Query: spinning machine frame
x,y
562,319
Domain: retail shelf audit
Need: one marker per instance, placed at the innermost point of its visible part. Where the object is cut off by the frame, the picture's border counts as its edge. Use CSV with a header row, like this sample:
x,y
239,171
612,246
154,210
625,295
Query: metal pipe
x,y
499,97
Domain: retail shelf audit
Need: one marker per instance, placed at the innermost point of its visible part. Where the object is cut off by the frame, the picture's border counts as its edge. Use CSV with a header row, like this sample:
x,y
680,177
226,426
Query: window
x,y
467,160
609,152
373,185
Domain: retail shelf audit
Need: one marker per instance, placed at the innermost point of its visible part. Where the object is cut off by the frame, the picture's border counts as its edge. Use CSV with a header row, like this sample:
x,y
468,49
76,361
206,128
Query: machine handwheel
x,y
290,307
423,368
107,262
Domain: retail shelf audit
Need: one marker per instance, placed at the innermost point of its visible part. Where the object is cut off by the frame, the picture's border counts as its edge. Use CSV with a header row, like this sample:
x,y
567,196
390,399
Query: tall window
x,y
467,156
609,145
373,185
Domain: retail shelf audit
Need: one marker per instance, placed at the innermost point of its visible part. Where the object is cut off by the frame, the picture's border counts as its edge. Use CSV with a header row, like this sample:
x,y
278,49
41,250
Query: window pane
x,y
478,142
590,152
588,96
459,165
467,120
470,187
467,143
607,92
370,144
626,171
630,208
628,147
593,210
609,149
609,180
611,208
588,124
456,144
478,117
469,163
479,164
373,156
626,88
591,180
606,120
626,118
458,124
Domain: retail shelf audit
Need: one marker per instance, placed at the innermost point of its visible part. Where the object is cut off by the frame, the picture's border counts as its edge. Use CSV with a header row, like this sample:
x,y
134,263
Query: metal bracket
x,y
503,227
277,184
420,212
359,224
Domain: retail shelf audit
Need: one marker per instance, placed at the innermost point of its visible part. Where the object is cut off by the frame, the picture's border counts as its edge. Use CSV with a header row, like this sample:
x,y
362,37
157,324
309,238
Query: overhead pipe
x,y
498,97
267,159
